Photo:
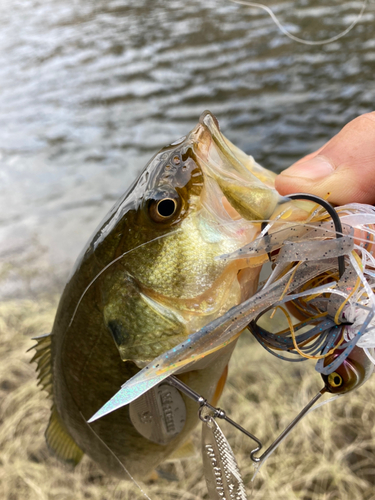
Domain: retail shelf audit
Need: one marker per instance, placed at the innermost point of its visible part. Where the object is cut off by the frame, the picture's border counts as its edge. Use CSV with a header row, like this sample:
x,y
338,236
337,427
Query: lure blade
x,y
223,477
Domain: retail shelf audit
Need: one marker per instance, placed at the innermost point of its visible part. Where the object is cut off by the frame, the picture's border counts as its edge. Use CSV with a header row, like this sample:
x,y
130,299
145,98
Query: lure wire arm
x,y
288,429
219,413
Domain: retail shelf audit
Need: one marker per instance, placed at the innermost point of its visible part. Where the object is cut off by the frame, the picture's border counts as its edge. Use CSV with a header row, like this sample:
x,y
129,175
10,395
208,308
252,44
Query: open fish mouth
x,y
236,186
248,187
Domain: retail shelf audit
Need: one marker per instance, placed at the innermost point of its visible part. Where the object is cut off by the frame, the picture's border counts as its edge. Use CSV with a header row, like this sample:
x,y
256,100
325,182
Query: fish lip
x,y
203,119
208,126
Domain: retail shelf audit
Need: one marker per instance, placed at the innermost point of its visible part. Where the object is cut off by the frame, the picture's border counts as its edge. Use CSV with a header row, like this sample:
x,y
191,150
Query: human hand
x,y
344,167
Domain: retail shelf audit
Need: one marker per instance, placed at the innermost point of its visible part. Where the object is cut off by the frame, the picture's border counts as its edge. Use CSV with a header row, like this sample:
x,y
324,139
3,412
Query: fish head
x,y
161,278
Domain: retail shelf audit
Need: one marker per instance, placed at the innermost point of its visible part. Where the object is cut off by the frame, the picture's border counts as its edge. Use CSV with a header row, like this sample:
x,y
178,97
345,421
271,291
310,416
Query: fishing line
x,y
116,457
296,38
110,264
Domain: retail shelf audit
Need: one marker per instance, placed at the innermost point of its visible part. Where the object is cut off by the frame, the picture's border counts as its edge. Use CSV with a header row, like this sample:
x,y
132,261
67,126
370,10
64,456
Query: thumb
x,y
344,167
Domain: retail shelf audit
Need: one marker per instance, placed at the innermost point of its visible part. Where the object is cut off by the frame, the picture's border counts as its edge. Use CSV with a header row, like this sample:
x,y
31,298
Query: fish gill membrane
x,y
329,317
296,38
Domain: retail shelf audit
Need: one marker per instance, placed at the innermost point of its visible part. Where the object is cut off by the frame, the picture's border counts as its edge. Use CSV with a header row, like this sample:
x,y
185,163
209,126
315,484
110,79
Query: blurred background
x,y
89,91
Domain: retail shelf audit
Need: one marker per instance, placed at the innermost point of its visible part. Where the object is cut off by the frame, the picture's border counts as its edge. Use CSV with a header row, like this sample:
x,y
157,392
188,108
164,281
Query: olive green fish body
x,y
95,373
149,278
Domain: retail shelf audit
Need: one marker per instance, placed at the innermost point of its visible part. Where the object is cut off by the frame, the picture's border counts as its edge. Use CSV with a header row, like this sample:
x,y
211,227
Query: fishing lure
x,y
323,279
305,273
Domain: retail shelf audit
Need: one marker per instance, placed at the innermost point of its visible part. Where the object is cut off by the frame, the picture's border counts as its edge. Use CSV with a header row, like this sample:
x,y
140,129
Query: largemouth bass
x,y
148,279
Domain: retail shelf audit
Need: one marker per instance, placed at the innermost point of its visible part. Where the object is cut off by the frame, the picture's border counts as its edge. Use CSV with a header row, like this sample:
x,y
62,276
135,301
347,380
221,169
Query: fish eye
x,y
163,210
166,208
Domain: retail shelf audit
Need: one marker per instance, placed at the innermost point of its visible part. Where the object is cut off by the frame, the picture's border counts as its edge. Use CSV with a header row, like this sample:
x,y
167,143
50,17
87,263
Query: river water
x,y
89,91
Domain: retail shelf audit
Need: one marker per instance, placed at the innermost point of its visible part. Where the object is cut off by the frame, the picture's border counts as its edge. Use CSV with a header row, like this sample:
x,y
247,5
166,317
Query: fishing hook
x,y
335,218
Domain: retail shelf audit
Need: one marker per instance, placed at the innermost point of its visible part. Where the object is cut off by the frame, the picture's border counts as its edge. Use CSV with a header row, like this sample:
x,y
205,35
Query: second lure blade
x,y
223,477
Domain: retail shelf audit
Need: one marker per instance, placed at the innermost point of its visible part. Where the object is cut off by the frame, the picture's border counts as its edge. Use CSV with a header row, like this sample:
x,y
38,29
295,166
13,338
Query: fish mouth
x,y
248,188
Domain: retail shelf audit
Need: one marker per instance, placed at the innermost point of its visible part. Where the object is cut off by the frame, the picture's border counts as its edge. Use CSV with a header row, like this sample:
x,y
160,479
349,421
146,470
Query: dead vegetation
x,y
330,456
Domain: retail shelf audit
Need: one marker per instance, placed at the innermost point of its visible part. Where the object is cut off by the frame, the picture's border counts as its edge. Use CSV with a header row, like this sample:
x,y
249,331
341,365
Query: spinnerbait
x,y
323,276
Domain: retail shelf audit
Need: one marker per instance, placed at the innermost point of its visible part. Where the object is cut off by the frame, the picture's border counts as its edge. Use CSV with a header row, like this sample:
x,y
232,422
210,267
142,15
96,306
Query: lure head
x,y
351,374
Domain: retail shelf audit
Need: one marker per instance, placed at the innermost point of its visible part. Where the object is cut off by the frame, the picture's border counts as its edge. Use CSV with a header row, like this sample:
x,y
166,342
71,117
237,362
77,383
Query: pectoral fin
x,y
142,328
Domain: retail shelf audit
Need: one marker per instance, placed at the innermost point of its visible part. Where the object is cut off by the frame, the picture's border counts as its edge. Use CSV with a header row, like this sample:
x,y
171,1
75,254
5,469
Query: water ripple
x,y
90,90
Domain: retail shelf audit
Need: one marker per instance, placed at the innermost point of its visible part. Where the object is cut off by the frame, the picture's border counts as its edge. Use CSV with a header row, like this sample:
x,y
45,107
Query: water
x,y
89,91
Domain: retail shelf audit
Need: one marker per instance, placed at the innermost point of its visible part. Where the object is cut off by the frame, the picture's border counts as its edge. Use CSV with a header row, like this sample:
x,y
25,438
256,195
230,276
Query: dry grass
x,y
329,457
